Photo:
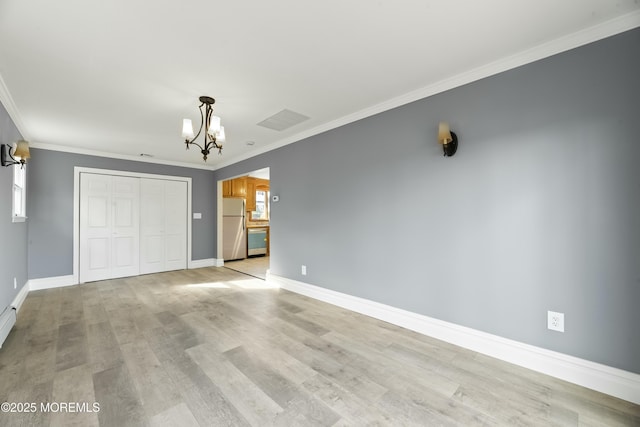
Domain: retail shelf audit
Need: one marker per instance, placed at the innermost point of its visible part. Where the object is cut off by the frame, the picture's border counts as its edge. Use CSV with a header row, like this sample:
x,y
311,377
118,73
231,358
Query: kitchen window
x,y
262,206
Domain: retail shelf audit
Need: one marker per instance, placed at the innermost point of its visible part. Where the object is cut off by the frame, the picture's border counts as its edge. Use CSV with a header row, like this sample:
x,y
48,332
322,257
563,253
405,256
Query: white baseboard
x,y
209,262
615,382
51,282
19,299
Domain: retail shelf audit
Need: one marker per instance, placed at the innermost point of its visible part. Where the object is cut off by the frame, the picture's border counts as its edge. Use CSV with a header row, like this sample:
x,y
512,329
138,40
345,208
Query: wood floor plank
x,y
75,385
94,312
283,392
208,332
323,357
175,416
12,357
252,402
40,361
103,349
28,393
353,409
119,402
205,399
49,313
388,371
124,325
71,348
259,339
71,305
155,389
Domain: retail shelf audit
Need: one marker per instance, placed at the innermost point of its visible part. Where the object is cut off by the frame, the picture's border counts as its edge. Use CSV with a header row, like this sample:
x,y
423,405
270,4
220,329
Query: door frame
x,y
219,262
77,170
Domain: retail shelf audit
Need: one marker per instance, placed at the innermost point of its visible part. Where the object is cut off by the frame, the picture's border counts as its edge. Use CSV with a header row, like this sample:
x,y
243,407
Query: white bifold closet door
x,y
109,227
131,226
163,225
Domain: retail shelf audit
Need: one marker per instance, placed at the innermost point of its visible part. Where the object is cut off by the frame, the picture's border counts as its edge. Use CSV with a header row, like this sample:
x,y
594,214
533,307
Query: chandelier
x,y
213,132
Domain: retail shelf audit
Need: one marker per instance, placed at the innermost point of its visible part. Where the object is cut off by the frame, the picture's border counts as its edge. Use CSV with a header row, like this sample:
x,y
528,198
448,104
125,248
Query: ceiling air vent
x,y
283,120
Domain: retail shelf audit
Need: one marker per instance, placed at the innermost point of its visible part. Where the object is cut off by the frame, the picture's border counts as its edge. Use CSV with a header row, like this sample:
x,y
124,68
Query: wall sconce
x,y
19,156
448,139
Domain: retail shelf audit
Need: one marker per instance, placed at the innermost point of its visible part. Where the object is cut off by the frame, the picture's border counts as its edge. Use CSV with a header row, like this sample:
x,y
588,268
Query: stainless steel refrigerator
x,y
234,237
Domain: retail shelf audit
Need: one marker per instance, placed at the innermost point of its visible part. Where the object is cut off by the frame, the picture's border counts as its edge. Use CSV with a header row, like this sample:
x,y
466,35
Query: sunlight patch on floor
x,y
211,285
253,284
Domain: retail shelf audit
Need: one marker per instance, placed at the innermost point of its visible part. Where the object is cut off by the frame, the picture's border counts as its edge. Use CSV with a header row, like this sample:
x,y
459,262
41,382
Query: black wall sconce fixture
x,y
18,157
448,139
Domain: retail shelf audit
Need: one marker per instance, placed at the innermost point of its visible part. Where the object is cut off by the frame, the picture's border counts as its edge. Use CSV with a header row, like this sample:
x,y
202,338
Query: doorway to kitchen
x,y
244,216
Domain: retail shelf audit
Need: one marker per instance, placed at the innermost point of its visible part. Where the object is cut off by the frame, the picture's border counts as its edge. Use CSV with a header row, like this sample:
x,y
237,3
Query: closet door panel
x,y
176,216
125,226
98,255
163,225
152,225
95,227
109,227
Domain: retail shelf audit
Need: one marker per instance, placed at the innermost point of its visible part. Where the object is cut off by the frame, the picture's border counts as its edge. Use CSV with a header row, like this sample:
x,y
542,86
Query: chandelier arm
x,y
209,139
213,143
208,118
201,126
196,144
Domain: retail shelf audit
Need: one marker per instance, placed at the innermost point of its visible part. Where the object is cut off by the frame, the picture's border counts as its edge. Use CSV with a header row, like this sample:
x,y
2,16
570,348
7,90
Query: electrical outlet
x,y
304,270
15,283
555,321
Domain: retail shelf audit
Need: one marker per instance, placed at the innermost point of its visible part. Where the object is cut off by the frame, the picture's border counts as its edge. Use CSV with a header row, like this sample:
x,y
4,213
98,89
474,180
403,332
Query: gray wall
x,y
50,207
539,209
13,236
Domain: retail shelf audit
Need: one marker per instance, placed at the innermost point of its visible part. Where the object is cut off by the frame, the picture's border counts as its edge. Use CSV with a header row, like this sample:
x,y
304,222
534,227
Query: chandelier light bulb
x,y
187,129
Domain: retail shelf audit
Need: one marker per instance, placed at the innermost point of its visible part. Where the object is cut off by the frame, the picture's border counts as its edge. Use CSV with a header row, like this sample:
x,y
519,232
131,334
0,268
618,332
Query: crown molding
x,y
12,110
580,38
75,150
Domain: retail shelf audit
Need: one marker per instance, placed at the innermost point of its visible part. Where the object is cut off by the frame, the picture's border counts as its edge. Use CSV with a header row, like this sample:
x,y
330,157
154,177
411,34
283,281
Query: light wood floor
x,y
213,347
254,266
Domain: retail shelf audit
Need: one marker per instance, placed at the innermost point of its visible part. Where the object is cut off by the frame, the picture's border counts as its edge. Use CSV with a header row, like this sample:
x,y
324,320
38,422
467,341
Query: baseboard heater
x,y
7,320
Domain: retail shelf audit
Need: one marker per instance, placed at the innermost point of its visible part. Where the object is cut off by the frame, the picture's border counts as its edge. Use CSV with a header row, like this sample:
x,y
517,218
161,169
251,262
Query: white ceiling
x,y
117,77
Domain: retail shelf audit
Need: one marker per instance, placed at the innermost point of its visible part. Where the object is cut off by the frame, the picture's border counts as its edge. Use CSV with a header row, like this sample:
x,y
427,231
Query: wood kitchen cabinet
x,y
226,188
239,187
262,184
235,187
251,194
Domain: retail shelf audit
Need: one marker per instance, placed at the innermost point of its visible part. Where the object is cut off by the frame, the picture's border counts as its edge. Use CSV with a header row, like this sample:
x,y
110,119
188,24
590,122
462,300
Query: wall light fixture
x,y
18,157
448,139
